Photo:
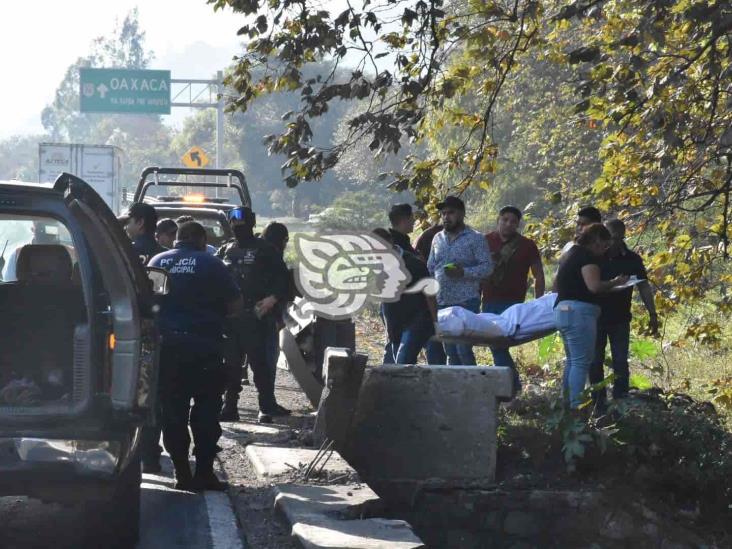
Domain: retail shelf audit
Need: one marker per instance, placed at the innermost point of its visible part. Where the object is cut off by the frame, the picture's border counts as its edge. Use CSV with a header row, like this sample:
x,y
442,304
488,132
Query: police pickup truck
x,y
204,194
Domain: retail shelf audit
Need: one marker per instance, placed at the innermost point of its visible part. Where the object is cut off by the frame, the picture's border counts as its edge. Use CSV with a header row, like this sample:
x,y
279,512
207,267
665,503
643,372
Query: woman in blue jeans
x,y
576,311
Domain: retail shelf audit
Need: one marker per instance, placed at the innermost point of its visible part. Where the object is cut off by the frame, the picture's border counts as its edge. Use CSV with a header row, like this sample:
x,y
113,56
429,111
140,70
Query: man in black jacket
x,y
260,272
614,323
401,218
409,322
140,222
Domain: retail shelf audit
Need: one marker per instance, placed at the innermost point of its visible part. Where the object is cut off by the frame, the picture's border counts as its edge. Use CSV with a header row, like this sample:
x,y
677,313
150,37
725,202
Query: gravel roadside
x,y
253,498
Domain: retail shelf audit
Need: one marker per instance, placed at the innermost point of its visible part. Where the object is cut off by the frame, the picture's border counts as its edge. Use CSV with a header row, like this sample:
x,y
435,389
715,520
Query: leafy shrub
x,y
359,210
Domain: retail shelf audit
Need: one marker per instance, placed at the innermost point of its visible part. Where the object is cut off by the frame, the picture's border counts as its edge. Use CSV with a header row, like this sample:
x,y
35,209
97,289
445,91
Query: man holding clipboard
x,y
615,316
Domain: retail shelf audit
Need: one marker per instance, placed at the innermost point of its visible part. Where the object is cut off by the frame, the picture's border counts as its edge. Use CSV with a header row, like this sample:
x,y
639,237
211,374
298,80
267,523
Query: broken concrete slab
x,y
415,426
302,372
343,374
273,461
240,429
313,512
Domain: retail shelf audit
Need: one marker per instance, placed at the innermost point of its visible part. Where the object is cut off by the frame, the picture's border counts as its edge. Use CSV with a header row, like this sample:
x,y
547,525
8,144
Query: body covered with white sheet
x,y
520,321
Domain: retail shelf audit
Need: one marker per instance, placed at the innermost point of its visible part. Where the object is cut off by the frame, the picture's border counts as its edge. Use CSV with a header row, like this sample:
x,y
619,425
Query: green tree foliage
x,y
624,103
657,76
401,72
358,210
125,48
144,138
19,157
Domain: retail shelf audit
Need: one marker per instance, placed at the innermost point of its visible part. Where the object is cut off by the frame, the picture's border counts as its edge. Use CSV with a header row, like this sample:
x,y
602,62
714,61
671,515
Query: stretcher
x,y
518,324
498,342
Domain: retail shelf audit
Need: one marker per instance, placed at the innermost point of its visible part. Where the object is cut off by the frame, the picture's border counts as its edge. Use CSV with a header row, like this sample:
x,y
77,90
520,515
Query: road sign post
x,y
125,91
150,92
220,120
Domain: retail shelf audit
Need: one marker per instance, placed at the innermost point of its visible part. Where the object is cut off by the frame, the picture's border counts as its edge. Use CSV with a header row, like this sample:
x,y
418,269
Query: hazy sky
x,y
41,38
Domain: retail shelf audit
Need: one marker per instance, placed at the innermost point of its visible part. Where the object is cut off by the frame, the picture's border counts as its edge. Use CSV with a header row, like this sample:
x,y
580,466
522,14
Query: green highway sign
x,y
125,91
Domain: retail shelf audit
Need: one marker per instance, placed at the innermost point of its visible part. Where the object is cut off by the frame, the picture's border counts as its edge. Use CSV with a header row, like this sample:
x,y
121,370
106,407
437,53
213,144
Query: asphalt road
x,y
170,519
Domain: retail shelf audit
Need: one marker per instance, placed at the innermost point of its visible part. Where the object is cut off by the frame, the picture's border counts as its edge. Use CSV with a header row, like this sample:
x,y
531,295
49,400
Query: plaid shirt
x,y
469,250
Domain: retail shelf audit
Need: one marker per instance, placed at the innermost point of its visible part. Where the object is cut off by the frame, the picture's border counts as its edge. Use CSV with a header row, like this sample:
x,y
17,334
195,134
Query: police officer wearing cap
x,y
202,293
258,268
140,223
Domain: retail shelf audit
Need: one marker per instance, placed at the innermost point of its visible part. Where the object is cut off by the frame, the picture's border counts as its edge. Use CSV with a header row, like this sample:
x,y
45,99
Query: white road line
x,y
222,521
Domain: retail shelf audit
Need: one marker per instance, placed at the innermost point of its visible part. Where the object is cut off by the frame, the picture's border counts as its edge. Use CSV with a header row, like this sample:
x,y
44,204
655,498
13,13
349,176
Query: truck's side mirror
x,y
159,279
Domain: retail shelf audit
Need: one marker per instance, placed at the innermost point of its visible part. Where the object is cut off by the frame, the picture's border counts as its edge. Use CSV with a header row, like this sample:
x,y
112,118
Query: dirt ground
x,y
254,498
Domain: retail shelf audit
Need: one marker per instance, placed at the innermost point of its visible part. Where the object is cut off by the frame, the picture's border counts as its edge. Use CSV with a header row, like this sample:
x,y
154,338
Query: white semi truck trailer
x,y
98,165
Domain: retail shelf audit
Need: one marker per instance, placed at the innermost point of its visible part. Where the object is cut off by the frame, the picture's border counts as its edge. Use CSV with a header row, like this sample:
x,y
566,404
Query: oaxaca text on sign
x,y
125,91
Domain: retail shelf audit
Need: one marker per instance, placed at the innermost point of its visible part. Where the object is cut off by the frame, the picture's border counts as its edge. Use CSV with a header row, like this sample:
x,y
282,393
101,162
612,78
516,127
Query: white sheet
x,y
459,322
518,321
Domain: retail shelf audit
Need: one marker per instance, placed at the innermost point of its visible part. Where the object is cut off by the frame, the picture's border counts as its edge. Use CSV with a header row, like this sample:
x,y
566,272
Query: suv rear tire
x,y
127,502
116,522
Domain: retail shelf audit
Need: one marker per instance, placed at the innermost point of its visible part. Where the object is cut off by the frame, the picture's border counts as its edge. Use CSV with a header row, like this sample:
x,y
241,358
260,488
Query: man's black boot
x,y
230,409
183,476
264,417
278,410
151,467
205,478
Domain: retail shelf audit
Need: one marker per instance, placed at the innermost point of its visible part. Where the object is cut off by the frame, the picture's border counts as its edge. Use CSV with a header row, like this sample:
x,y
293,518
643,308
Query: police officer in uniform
x,y
202,294
259,270
140,223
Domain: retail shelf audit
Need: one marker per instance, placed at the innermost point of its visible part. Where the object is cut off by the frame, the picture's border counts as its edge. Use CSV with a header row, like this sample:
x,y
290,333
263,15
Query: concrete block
x,y
435,425
312,512
618,525
273,461
301,499
331,333
343,374
519,523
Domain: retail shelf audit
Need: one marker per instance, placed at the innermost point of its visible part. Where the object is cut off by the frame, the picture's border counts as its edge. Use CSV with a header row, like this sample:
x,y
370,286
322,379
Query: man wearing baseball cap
x,y
459,260
139,223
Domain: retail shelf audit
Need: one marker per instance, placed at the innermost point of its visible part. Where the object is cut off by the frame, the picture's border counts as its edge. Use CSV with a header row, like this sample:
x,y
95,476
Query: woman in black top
x,y
576,311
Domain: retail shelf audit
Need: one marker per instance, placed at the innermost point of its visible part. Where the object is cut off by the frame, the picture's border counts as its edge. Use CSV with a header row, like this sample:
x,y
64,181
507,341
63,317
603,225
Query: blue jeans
x,y
619,336
435,352
389,354
462,354
577,324
501,357
414,338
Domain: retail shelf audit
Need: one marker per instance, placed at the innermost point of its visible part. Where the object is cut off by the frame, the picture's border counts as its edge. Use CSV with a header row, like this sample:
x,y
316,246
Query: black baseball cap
x,y
451,202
